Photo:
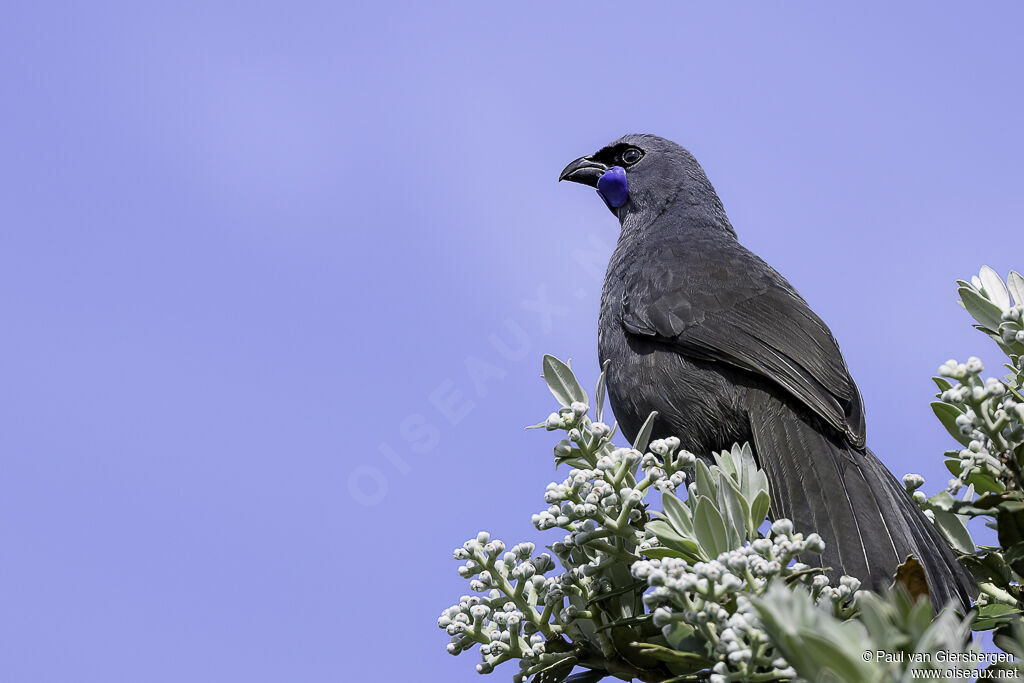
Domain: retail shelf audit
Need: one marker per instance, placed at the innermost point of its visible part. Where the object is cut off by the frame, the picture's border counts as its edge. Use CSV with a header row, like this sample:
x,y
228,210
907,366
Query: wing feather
x,y
754,322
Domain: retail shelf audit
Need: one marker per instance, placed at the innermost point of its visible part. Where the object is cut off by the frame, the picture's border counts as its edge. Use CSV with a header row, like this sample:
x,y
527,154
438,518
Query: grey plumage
x,y
703,331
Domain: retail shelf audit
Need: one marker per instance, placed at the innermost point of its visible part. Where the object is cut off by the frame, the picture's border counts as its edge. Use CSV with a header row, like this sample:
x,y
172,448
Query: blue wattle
x,y
612,186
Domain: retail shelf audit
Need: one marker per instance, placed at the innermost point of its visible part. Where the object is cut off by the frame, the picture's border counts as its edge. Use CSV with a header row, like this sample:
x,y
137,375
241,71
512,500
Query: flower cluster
x,y
609,494
988,420
512,619
987,415
601,495
567,418
666,465
712,598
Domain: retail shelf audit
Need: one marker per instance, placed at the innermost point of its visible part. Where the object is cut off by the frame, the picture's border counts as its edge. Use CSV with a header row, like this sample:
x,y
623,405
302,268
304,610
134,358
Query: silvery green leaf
x,y
981,309
644,435
752,480
837,657
670,538
710,528
600,391
1015,283
995,290
677,634
760,482
942,501
735,511
677,513
562,382
705,482
726,463
814,642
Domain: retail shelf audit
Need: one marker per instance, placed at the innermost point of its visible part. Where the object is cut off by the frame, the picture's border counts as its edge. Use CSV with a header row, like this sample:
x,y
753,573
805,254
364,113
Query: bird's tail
x,y
868,521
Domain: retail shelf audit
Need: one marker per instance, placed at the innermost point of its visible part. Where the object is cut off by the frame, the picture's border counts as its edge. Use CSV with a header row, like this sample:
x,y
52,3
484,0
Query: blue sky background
x,y
245,244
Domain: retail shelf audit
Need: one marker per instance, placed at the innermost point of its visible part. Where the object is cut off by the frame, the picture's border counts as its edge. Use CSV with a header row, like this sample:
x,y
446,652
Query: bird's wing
x,y
739,311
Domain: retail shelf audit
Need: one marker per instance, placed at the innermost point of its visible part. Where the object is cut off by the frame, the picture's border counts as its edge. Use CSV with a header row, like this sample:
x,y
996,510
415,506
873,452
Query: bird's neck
x,y
688,209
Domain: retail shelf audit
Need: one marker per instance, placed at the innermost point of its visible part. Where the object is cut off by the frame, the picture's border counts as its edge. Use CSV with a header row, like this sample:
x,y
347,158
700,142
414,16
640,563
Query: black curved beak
x,y
584,170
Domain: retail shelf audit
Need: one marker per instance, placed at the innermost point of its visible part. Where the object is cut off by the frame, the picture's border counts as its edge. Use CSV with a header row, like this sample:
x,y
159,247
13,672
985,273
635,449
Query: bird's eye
x,y
631,156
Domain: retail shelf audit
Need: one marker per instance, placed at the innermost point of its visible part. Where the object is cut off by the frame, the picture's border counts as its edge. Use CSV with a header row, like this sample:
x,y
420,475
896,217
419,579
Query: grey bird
x,y
701,330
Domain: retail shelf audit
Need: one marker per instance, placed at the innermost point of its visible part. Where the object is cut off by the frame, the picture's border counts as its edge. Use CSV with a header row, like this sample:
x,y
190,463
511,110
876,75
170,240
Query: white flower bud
x,y
686,459
662,617
814,544
913,481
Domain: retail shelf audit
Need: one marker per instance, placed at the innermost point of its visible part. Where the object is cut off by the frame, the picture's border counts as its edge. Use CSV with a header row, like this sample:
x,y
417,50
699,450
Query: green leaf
x,y
989,567
556,672
660,553
988,314
562,382
666,654
953,529
1014,556
677,634
1014,553
1015,283
954,466
758,512
994,614
942,383
796,576
1011,526
947,415
985,483
635,587
644,435
709,528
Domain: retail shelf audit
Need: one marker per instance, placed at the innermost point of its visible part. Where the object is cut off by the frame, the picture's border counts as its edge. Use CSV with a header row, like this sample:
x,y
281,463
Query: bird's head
x,y
638,175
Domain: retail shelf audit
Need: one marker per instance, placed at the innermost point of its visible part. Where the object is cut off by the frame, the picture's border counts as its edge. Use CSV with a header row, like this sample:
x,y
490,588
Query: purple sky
x,y
249,248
